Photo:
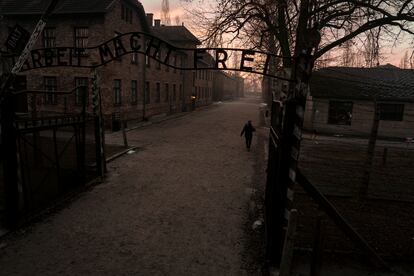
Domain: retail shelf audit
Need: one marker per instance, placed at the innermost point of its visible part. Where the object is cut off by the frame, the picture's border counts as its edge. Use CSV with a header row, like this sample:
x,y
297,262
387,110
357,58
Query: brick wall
x,y
126,73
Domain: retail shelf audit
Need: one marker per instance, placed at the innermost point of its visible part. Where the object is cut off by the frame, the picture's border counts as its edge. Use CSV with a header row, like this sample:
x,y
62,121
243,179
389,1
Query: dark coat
x,y
248,130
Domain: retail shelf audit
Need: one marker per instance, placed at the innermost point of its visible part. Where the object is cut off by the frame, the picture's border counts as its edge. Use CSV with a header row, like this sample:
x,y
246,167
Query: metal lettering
x,y
221,57
133,43
26,52
245,57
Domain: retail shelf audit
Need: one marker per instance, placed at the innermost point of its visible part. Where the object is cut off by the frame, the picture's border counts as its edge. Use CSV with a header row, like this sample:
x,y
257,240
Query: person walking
x,y
248,130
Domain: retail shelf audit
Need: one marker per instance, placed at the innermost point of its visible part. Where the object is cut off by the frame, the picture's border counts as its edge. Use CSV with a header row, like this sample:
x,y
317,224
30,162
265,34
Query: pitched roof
x,y
175,34
20,7
24,7
37,7
383,83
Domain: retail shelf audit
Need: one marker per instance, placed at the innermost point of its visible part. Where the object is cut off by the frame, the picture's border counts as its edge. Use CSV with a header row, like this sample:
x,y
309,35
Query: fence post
x,y
82,158
281,182
369,162
124,134
288,246
99,149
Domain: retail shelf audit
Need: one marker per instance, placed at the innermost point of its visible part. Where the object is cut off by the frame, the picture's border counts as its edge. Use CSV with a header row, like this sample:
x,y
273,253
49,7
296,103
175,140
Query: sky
x,y
154,6
391,55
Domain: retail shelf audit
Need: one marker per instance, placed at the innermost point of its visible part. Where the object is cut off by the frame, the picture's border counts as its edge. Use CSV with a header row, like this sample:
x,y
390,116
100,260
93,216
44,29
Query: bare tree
x,y
348,54
165,12
177,20
372,48
292,22
405,61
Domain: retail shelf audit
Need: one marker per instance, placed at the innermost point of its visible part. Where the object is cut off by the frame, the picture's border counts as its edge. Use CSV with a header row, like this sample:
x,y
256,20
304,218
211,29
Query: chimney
x,y
157,22
150,18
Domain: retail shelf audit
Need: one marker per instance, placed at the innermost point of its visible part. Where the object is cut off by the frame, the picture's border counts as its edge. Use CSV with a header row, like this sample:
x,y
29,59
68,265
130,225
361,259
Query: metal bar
x,y
102,130
77,146
66,146
364,186
339,220
124,134
98,147
83,135
36,149
57,163
25,191
33,38
56,92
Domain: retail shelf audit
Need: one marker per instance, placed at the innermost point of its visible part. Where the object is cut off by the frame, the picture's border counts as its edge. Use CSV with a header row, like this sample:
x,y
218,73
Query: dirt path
x,y
181,205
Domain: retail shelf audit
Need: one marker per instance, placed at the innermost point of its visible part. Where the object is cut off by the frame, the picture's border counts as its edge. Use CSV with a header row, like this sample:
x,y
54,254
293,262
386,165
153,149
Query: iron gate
x,y
44,149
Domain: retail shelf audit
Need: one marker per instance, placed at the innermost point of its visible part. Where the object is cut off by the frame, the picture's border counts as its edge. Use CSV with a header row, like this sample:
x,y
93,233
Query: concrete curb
x,y
119,154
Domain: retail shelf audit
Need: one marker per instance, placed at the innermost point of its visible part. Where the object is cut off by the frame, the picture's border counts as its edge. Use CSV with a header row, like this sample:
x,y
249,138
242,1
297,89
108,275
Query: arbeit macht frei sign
x,y
162,51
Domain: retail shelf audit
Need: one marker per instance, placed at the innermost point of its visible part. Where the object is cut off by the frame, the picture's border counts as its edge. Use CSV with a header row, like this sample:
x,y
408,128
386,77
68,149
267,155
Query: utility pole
x,y
363,189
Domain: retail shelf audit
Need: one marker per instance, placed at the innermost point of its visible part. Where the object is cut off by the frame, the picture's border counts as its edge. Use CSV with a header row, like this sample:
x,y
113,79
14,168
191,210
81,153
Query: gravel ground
x,y
183,204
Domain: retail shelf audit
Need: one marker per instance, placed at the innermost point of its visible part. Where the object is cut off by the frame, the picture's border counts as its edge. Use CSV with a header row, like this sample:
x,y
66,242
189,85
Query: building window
x,y
147,92
81,37
79,82
147,61
174,92
340,113
167,92
134,55
50,85
117,92
126,14
157,92
134,92
391,112
49,37
181,92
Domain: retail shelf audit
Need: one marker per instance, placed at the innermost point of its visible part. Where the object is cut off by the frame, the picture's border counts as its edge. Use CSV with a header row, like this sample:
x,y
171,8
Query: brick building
x,y
133,87
227,86
82,24
342,101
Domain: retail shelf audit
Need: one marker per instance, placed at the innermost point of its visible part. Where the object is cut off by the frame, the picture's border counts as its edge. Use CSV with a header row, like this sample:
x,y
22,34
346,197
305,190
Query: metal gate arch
x,y
285,131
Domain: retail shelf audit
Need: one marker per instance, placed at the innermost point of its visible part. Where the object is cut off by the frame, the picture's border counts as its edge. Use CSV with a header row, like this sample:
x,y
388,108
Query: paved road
x,y
181,205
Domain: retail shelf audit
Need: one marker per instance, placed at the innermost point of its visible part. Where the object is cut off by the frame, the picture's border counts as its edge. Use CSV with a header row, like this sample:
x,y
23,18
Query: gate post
x,y
85,94
99,148
9,156
283,161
